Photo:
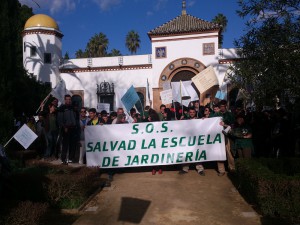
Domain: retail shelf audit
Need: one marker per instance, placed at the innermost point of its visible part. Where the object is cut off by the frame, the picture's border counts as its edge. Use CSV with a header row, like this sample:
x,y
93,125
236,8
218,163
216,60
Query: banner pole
x,y
45,99
181,99
174,109
142,106
8,142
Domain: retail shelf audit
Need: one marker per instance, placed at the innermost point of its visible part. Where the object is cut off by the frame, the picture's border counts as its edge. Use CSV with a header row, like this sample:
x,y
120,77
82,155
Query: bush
x,y
275,194
60,186
27,213
71,189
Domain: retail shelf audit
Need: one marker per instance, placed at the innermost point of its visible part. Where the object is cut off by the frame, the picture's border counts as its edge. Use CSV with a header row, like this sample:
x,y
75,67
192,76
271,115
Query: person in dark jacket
x,y
66,119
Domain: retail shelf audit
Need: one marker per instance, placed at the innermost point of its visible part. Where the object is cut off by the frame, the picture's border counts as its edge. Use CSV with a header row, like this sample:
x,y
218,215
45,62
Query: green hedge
x,y
59,186
273,185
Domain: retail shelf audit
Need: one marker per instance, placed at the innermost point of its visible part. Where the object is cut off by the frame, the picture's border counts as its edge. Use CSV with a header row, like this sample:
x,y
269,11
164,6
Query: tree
x,y
97,46
221,20
115,52
80,54
269,49
66,56
19,93
133,41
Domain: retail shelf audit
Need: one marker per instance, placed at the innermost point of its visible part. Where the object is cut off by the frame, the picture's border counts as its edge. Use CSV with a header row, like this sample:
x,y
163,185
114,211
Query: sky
x,y
79,20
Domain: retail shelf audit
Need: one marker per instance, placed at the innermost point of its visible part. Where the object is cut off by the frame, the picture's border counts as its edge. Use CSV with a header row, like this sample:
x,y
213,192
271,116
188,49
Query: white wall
x,y
190,46
122,79
45,43
134,60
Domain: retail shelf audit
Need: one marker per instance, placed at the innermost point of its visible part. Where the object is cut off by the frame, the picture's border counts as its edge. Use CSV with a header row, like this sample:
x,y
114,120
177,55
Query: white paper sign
x,y
166,85
25,136
205,79
166,96
153,144
103,106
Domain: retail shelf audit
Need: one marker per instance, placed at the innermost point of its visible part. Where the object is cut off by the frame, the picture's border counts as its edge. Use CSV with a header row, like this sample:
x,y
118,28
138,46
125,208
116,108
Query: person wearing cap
x,y
104,117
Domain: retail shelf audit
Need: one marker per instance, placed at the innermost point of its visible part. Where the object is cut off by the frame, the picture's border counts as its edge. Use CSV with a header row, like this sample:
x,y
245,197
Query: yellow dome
x,y
41,20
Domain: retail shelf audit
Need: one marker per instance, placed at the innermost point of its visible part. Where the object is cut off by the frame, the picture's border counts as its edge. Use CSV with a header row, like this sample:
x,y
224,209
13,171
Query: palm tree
x,y
133,41
115,52
67,55
80,54
97,45
221,20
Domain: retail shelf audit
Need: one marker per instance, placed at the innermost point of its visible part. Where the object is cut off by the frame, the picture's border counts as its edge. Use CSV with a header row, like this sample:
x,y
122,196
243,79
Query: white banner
x,y
158,143
166,96
25,136
184,88
103,106
166,85
205,79
60,91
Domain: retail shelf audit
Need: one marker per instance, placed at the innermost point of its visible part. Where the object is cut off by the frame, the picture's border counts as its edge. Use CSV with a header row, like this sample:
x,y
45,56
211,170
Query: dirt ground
x,y
138,197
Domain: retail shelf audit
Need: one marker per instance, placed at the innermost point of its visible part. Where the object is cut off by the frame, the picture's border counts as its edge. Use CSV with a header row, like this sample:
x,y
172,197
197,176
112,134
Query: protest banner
x,y
25,136
153,144
184,88
166,96
103,106
166,85
130,98
205,79
60,91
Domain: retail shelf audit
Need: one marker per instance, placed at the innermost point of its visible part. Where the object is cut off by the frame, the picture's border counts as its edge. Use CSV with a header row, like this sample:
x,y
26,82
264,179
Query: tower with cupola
x,y
42,48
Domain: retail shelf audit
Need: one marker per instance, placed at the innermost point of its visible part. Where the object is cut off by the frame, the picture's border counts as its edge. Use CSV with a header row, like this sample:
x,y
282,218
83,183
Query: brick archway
x,y
193,66
182,69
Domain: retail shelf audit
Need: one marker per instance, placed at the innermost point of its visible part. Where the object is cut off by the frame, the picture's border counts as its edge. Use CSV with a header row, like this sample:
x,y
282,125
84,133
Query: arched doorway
x,y
183,75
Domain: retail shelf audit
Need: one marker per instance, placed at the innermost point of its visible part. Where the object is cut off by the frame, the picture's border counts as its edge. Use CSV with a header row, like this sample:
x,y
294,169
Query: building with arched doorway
x,y
181,48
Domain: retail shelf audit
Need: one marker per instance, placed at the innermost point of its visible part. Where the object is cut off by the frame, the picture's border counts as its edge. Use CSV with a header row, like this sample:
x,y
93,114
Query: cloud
x,y
149,13
54,6
160,5
107,4
191,3
59,5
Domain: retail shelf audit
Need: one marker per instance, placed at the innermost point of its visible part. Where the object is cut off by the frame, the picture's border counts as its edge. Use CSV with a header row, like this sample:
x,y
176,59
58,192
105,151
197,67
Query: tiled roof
x,y
184,24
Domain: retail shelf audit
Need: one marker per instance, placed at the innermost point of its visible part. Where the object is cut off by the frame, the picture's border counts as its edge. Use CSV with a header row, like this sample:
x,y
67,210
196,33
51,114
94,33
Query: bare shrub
x,y
27,213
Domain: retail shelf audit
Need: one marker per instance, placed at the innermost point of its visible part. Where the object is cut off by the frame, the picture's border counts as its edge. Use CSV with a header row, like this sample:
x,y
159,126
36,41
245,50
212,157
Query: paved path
x,y
169,199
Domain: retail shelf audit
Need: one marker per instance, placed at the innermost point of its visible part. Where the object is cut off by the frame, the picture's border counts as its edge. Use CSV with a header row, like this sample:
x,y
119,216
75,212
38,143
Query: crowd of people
x,y
247,133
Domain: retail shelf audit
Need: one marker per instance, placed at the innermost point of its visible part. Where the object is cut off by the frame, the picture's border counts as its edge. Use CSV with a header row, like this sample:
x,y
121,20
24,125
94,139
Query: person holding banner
x,y
228,121
167,115
199,166
120,111
121,118
153,117
104,118
66,119
207,112
94,119
161,113
83,122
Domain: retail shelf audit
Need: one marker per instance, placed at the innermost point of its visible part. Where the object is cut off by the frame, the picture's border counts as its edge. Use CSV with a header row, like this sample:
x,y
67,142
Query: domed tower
x,y
42,48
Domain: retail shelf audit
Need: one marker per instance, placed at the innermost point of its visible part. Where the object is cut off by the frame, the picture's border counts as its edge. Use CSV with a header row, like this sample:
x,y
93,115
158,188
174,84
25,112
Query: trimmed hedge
x,y
273,185
59,186
27,213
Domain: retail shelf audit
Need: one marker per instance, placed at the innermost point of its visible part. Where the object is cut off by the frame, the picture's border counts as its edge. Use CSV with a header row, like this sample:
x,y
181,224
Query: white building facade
x,y
181,48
